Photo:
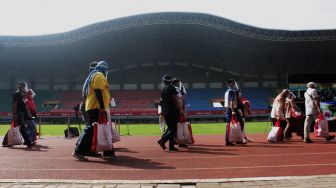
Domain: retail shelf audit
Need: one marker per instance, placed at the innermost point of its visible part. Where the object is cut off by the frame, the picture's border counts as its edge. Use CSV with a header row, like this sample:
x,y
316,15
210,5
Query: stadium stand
x,y
133,100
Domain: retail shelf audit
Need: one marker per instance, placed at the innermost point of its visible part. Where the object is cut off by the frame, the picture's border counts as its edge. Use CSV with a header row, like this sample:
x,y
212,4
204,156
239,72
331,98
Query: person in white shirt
x,y
312,104
231,109
278,110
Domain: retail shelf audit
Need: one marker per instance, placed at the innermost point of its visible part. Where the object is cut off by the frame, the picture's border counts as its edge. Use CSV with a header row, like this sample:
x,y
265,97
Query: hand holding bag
x,y
275,133
321,126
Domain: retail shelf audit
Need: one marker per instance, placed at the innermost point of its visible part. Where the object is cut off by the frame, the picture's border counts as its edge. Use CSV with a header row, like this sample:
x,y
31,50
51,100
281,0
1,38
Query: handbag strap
x,y
233,118
102,117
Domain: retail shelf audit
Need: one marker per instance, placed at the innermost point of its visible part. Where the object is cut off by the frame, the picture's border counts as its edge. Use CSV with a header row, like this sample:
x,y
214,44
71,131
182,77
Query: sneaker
x,y
247,139
162,145
330,138
78,156
307,140
173,149
229,144
94,154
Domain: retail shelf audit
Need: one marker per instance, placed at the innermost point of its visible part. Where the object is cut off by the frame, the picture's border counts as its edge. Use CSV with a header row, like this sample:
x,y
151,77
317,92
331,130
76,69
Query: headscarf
x,y
101,67
311,84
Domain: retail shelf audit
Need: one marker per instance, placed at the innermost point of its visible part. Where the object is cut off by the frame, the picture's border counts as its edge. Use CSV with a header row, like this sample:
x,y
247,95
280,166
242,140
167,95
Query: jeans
x,y
171,121
84,143
31,130
23,127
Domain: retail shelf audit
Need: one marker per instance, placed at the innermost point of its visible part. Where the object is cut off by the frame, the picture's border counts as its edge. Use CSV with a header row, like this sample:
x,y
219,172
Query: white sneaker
x,y
247,139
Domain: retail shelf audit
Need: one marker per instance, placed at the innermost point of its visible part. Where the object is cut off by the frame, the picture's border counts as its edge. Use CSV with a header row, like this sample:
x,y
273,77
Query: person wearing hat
x,y
231,106
172,110
96,90
312,104
20,113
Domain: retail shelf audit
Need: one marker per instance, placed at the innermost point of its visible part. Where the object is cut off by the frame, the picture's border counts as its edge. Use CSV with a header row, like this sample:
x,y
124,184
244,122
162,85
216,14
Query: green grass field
x,y
153,129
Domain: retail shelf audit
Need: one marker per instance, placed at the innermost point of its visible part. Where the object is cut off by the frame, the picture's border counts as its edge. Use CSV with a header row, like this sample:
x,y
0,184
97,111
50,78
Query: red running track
x,y
140,158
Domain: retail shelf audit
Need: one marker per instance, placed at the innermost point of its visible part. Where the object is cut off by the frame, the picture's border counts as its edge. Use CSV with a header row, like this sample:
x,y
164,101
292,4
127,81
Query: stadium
x,y
204,51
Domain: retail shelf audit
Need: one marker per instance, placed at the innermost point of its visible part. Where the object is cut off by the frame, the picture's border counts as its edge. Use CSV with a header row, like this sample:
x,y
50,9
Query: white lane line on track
x,y
186,157
174,169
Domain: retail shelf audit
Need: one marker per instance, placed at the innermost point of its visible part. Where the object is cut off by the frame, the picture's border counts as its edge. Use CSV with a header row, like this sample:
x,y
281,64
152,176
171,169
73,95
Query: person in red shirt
x,y
31,125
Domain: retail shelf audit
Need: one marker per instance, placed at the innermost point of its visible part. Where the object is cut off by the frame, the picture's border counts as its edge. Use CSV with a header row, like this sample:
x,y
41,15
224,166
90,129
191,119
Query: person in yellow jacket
x,y
96,89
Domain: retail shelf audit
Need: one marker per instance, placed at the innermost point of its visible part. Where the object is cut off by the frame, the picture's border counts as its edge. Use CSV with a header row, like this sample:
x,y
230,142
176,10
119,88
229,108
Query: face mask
x,y
106,74
25,89
236,87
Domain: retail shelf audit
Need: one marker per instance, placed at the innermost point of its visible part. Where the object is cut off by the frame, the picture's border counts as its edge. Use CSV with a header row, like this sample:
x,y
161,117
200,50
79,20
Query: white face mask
x,y
236,87
106,74
25,89
180,86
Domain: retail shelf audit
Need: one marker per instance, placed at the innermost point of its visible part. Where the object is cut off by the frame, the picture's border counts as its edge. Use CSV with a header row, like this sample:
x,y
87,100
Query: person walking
x,y
312,104
231,107
279,110
85,116
243,110
171,109
20,113
96,90
31,123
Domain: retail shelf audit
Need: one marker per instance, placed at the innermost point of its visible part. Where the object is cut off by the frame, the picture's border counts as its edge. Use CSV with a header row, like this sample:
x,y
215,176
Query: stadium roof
x,y
36,17
173,40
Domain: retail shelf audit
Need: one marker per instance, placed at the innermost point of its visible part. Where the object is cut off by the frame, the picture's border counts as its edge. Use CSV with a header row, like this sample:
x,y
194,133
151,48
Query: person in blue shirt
x,y
231,107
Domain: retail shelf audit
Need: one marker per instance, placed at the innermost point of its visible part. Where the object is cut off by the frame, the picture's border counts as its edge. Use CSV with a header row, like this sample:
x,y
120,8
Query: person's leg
x,y
173,132
31,129
23,128
308,121
162,123
287,129
23,131
228,120
84,142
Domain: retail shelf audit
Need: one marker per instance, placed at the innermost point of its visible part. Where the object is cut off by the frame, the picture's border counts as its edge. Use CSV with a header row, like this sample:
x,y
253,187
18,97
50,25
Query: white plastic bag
x,y
183,133
14,136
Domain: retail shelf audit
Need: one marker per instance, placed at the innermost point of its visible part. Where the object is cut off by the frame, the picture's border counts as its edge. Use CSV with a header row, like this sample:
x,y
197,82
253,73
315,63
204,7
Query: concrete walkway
x,y
278,182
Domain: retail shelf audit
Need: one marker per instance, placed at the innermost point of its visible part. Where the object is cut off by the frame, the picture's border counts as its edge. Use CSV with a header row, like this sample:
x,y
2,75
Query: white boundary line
x,y
194,157
224,180
174,169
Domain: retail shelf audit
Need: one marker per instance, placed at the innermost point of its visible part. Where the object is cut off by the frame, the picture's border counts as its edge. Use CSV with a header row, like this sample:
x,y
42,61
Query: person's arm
x,y
316,100
231,101
99,96
317,104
